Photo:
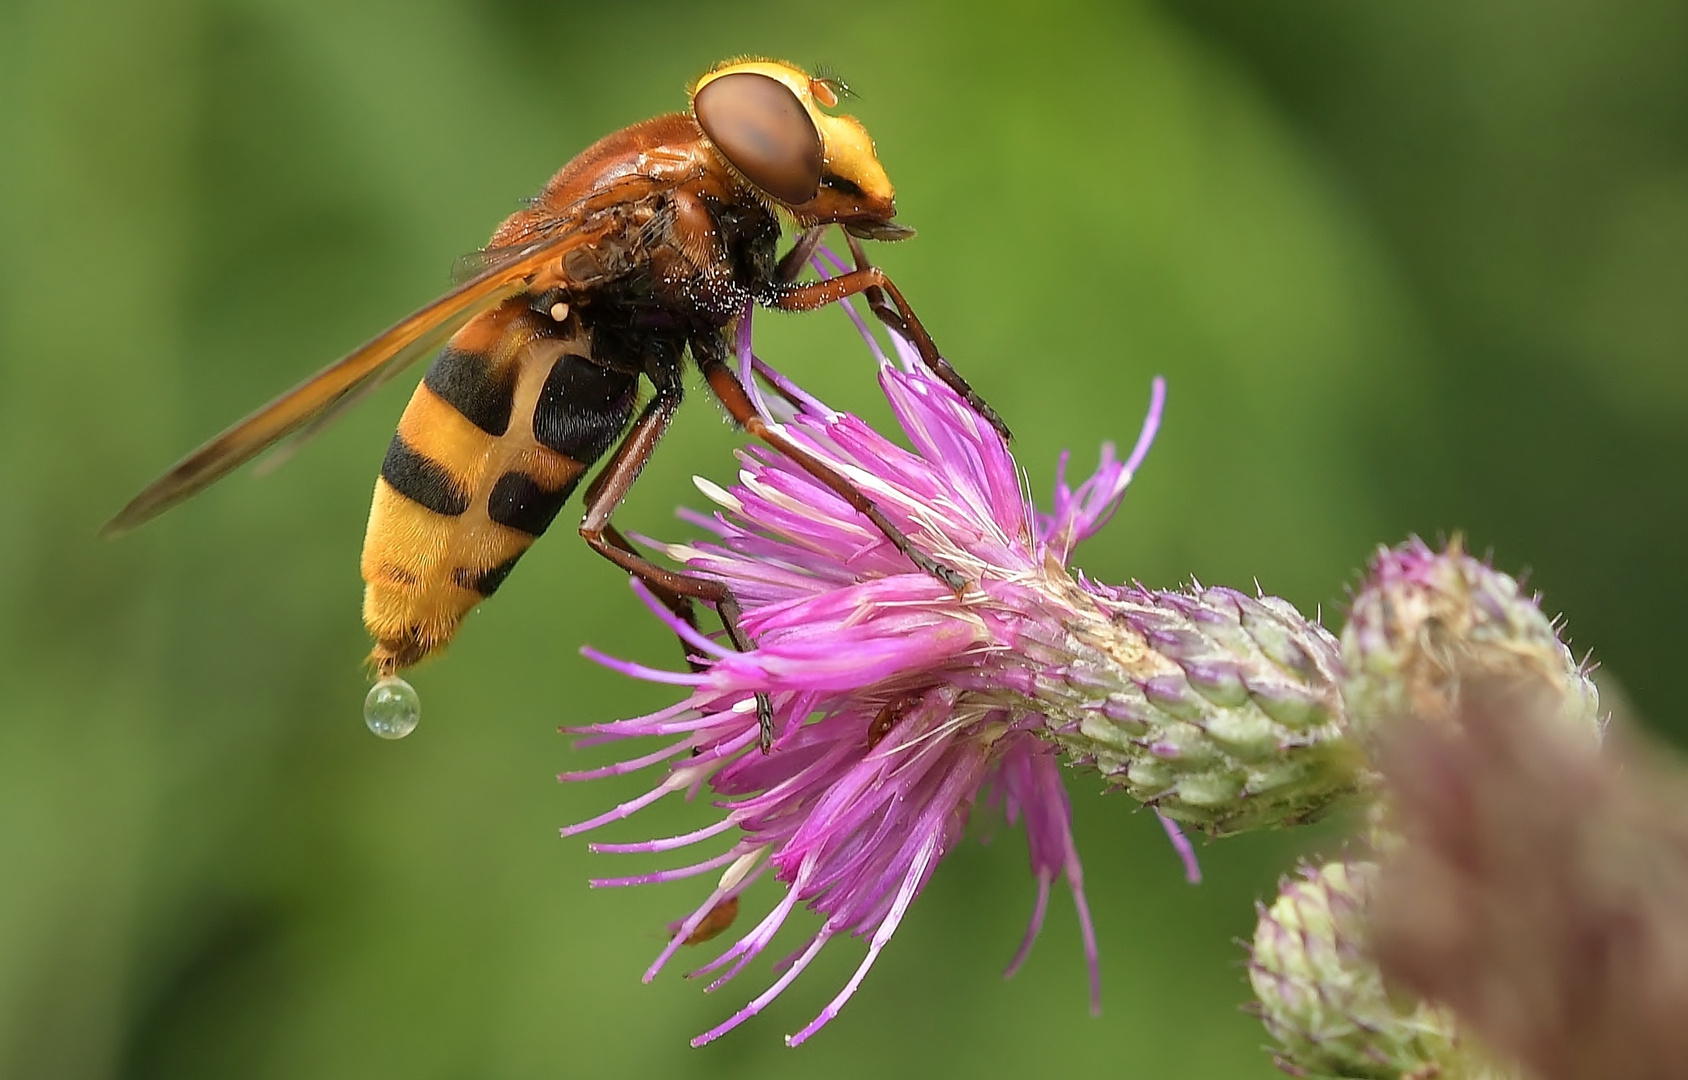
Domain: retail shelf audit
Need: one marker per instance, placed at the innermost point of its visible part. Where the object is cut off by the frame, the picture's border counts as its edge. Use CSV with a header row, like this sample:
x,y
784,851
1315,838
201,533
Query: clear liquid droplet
x,y
392,710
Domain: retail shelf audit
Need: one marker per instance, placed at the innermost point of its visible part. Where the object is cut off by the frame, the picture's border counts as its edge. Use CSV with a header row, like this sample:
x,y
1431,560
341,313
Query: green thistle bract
x,y
1219,709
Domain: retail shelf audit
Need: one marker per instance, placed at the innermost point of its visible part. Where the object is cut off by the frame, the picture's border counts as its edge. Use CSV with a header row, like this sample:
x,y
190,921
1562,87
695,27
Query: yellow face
x,y
768,121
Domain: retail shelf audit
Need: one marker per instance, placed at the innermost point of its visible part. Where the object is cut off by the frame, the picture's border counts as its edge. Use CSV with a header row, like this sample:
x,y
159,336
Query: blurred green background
x,y
1407,267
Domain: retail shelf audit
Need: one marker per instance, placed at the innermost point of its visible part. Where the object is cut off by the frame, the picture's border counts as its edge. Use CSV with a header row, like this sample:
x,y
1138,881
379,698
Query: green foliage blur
x,y
1408,267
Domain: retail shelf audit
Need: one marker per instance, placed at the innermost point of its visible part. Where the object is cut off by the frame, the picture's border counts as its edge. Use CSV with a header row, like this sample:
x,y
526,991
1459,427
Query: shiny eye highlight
x,y
763,130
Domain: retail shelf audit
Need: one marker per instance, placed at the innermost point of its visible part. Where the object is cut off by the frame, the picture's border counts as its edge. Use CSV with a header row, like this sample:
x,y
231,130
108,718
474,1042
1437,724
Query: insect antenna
x,y
828,76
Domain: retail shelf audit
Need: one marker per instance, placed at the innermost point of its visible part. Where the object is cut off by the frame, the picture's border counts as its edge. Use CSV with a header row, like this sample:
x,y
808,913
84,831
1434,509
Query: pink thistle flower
x,y
899,705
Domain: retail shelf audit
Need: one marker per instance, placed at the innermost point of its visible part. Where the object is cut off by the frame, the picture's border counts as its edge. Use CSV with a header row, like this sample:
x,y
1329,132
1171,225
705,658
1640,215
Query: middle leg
x,y
875,285
605,496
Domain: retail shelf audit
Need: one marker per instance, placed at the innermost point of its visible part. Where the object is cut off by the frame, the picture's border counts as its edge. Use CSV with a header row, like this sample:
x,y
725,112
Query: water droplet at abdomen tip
x,y
392,709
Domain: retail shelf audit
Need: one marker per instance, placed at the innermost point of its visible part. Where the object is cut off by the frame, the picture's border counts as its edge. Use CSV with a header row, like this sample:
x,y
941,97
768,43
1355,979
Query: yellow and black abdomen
x,y
494,441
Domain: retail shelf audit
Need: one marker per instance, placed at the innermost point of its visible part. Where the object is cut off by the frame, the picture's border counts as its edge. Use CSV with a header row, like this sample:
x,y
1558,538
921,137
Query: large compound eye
x,y
761,127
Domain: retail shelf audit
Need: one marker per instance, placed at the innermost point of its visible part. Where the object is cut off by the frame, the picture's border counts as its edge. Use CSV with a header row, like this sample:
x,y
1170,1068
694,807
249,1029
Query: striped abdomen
x,y
493,442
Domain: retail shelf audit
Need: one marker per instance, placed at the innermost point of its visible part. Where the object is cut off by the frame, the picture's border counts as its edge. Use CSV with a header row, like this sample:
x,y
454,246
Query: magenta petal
x,y
1033,928
665,844
687,633
626,809
621,768
1082,513
1087,929
640,671
1181,844
905,895
762,1000
667,875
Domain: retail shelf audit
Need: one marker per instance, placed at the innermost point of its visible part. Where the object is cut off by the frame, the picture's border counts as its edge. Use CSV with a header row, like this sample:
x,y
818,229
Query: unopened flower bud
x,y
1425,622
1322,998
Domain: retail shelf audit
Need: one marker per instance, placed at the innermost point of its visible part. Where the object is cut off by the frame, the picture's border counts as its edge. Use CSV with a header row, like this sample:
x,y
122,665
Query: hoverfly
x,y
650,244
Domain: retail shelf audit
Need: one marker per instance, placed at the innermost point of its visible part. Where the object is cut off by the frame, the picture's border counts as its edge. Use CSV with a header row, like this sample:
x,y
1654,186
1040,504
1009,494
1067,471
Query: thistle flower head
x,y
900,704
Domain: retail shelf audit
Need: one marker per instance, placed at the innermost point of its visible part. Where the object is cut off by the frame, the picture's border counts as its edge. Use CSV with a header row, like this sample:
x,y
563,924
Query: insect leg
x,y
875,296
726,387
680,605
791,263
904,321
870,279
605,495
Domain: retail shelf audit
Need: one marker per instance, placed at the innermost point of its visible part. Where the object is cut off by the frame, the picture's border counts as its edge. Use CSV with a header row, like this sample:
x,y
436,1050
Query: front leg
x,y
730,393
802,250
873,282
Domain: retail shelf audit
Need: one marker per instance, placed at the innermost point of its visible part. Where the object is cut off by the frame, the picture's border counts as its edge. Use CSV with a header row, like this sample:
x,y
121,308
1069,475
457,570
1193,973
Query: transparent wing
x,y
622,191
308,407
282,450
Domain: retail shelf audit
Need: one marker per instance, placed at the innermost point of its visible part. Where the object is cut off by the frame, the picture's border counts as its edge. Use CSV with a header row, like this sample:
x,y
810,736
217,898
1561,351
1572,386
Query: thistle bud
x,y
1221,710
1322,998
1424,622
